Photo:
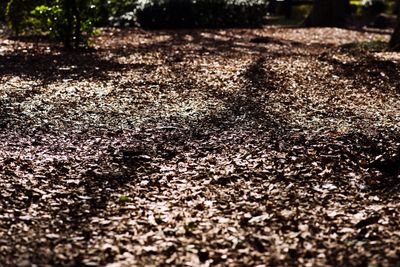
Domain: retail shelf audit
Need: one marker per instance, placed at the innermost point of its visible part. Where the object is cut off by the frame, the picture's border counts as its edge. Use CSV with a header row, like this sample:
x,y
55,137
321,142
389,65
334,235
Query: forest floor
x,y
263,147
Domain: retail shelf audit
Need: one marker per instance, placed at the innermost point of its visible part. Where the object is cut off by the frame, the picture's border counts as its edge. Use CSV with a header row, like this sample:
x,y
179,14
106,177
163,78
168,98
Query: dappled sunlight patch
x,y
392,56
272,146
334,36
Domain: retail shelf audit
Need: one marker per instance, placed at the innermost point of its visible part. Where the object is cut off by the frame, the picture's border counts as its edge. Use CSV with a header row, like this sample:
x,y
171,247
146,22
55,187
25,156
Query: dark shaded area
x,y
183,44
249,106
61,66
366,70
378,154
394,43
32,38
200,14
269,40
327,13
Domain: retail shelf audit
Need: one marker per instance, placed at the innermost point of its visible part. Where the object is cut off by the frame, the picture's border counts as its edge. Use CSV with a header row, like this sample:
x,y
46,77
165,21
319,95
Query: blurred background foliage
x,y
70,21
77,24
200,13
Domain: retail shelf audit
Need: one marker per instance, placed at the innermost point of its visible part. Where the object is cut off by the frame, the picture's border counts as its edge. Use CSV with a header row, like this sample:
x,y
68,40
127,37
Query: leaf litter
x,y
274,146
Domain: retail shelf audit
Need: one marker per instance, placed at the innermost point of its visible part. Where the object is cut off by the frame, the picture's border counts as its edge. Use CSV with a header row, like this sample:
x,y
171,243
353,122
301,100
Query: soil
x,y
247,147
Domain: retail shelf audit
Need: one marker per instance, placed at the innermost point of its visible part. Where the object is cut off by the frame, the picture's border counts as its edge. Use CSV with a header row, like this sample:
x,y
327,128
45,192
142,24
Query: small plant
x,y
123,199
190,227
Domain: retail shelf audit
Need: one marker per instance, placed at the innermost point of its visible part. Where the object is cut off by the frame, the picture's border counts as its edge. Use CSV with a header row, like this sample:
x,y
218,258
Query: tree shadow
x,y
62,66
217,42
33,38
378,155
244,111
247,114
249,106
366,70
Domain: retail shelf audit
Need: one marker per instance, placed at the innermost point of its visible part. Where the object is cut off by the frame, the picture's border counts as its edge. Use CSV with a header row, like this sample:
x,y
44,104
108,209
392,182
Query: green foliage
x,y
119,13
181,13
48,18
3,6
200,13
123,199
51,16
190,227
17,14
374,7
72,24
391,7
300,11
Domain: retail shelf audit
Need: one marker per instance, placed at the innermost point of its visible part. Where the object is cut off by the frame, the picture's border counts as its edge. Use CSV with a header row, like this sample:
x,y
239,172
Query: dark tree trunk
x,y
328,13
394,43
70,20
77,31
287,5
271,8
73,30
104,13
396,9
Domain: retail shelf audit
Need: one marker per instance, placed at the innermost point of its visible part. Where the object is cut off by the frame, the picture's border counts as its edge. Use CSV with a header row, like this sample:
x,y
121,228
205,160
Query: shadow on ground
x,y
61,67
244,119
366,70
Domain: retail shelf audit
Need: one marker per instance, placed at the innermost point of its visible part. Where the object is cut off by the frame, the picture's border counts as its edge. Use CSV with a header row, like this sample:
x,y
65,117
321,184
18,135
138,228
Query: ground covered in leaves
x,y
268,147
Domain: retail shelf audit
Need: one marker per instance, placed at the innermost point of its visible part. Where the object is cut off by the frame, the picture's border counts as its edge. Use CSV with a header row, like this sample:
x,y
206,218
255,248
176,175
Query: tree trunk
x,y
104,13
76,11
271,7
287,6
73,32
328,13
394,43
396,9
70,20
